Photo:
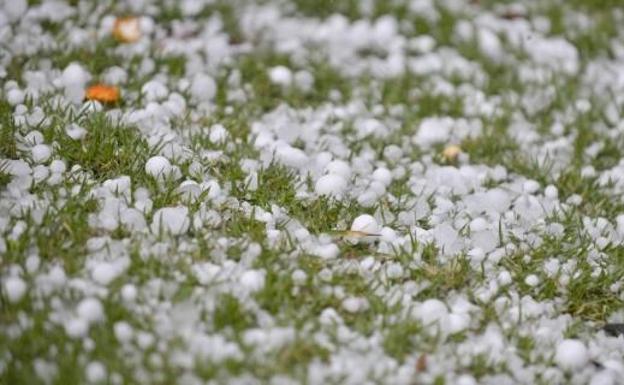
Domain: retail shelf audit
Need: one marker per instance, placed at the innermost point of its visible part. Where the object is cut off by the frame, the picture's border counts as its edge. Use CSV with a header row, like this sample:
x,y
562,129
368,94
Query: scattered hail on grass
x,y
188,234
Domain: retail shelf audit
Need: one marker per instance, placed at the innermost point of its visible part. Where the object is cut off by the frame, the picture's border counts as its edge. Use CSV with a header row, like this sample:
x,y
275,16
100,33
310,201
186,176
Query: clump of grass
x,y
108,150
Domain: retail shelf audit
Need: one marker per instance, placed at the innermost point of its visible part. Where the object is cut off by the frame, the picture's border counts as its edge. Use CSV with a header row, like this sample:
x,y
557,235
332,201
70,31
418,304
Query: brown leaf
x,y
421,363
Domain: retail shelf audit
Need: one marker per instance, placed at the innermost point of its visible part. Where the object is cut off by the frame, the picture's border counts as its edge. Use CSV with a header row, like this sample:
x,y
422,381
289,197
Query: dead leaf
x,y
103,93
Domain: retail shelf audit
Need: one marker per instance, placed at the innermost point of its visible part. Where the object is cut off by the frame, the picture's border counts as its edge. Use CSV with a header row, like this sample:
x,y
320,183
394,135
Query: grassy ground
x,y
53,224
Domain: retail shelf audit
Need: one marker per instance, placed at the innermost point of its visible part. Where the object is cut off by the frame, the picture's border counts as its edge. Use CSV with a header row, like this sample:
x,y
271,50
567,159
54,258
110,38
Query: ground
x,y
311,192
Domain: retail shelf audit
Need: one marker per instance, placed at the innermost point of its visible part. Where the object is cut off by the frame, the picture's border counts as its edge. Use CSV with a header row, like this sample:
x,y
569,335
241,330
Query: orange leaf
x,y
103,93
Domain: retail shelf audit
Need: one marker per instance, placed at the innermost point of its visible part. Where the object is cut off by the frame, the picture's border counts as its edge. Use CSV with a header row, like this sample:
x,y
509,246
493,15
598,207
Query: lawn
x,y
314,192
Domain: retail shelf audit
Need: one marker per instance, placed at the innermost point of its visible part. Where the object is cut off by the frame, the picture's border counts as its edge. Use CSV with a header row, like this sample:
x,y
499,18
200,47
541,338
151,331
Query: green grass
x,y
111,148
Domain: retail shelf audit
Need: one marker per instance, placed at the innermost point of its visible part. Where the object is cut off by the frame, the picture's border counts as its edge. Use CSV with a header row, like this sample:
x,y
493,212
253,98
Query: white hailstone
x,y
367,199
532,280
14,9
75,132
603,378
76,327
58,166
304,80
218,134
489,44
15,96
574,200
104,273
154,91
128,292
365,224
299,277
17,167
433,130
368,263
34,137
115,75
614,366
32,264
447,238
213,188
251,181
74,78
45,370
41,153
465,379
354,304
388,234
457,322
252,280
40,173
281,75
551,192
530,186
95,372
339,167
173,220
323,158
132,219
146,24
478,224
394,270
588,172
158,167
123,331
383,175
328,251
291,156
432,311
74,74
476,255
571,354
90,309
504,278
15,288
189,189
330,185
377,187
203,87
557,129
54,179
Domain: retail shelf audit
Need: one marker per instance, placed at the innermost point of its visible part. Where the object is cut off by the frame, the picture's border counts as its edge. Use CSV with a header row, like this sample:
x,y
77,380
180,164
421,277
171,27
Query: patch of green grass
x,y
109,149
444,278
95,58
42,338
589,295
492,146
255,67
399,338
8,146
325,8
175,65
5,179
230,314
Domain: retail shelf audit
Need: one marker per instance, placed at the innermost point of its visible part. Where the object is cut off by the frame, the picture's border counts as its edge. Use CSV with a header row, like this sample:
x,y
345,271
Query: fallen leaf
x,y
421,363
127,29
355,234
103,93
451,153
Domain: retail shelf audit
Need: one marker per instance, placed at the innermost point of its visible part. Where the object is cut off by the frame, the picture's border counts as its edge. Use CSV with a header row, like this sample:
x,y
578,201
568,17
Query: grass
x,y
59,234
